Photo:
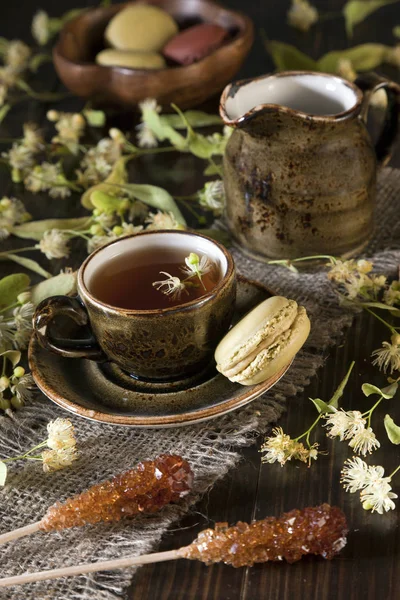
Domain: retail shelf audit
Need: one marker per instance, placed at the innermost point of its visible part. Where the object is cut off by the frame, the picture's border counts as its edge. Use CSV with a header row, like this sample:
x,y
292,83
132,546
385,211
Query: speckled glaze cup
x,y
159,344
300,166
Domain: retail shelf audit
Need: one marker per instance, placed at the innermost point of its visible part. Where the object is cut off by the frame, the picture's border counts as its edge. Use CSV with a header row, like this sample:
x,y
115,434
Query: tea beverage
x,y
137,282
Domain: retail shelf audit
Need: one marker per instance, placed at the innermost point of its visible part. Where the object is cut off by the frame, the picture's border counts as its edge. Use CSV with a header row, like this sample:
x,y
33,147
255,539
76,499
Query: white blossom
x,y
23,316
54,244
364,442
24,387
302,15
54,460
61,434
212,196
345,424
17,55
41,27
172,286
378,496
357,474
387,358
162,220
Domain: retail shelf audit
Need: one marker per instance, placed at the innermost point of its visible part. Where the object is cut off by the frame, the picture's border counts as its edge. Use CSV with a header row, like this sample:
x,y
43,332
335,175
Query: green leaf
x,y
288,58
363,58
388,392
321,406
161,129
195,118
95,118
334,401
63,284
380,305
4,111
39,59
155,197
118,176
214,169
28,263
392,430
34,230
11,286
3,473
199,145
14,356
396,31
355,11
391,390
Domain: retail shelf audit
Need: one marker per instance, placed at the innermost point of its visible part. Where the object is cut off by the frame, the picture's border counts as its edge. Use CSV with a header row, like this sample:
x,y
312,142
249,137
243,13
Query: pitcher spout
x,y
305,95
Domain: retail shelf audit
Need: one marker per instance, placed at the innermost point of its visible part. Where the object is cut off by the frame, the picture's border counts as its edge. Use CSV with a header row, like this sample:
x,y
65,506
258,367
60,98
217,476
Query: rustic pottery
x,y
83,37
103,392
159,344
300,167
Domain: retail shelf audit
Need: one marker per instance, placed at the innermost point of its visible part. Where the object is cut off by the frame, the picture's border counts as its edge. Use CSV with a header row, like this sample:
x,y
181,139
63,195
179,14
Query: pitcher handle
x,y
74,309
370,83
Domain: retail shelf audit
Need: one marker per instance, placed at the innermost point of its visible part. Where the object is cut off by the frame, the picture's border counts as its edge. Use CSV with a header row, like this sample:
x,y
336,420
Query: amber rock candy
x,y
147,488
314,530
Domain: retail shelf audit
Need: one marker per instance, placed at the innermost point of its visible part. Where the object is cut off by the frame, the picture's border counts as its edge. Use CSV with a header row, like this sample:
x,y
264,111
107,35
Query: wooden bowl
x,y
83,37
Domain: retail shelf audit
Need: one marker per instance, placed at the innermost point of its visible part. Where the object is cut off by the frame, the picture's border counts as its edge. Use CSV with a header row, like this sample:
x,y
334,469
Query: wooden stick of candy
x,y
317,530
147,488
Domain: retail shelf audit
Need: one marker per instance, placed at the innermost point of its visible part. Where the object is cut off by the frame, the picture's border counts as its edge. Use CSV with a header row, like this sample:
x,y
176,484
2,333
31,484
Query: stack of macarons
x,y
264,342
143,36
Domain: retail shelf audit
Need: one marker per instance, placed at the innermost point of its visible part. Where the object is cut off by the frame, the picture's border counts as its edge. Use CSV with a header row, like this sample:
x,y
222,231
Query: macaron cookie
x,y
263,342
195,43
140,27
129,59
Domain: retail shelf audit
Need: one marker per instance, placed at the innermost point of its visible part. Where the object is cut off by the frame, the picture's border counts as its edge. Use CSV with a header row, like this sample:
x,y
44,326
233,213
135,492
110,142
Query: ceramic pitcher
x,y
300,166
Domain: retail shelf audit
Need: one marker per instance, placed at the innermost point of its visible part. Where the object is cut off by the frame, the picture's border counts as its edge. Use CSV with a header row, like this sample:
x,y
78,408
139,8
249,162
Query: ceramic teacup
x,y
158,344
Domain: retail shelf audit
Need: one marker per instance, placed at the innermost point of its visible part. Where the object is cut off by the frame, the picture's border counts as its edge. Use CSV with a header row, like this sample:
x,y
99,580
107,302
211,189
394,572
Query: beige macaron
x,y
131,60
263,342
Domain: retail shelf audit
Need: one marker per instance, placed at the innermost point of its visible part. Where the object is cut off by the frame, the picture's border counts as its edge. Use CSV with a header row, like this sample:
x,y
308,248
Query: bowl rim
x,y
245,34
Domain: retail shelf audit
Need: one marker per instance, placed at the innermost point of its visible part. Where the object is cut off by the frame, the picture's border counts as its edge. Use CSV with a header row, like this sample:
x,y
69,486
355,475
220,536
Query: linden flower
x,y
388,356
145,137
33,138
48,177
70,128
364,442
40,27
17,55
54,460
281,448
197,266
54,244
98,162
23,388
212,196
302,15
378,496
61,434
23,316
392,294
345,424
162,220
357,475
172,286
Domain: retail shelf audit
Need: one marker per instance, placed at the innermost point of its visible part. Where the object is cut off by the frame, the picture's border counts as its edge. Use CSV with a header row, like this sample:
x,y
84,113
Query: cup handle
x,y
370,83
72,308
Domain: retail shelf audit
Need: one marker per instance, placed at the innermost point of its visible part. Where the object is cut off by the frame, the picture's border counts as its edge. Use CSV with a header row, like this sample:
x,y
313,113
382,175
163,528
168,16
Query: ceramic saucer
x,y
104,393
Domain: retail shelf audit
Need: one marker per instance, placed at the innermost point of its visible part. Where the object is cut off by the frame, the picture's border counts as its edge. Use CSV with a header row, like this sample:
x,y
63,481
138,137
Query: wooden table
x,y
369,566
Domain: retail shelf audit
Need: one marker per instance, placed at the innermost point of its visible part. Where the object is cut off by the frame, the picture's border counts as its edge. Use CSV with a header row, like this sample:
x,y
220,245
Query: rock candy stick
x,y
147,488
318,530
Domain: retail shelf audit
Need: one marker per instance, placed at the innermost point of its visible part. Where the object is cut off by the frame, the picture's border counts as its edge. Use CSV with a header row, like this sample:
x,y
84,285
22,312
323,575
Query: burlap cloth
x,y
211,447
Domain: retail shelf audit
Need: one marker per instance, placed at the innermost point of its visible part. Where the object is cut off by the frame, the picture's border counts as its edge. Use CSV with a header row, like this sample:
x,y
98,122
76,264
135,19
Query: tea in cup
x,y
157,303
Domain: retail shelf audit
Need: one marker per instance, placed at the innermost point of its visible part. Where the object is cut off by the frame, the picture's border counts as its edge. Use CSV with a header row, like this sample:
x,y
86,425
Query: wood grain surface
x,y
369,567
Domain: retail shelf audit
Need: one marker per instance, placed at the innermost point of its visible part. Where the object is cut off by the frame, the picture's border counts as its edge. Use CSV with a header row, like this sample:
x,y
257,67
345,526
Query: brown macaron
x,y
195,43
